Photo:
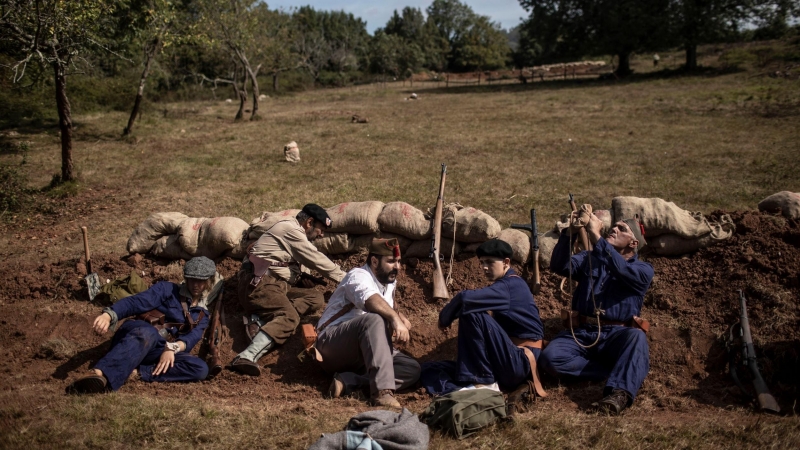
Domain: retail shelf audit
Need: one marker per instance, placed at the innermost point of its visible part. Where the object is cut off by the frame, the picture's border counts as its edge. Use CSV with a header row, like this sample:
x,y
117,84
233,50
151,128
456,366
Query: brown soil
x,y
47,339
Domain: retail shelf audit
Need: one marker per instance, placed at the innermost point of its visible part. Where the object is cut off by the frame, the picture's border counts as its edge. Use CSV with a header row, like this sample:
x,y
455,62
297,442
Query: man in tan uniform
x,y
272,289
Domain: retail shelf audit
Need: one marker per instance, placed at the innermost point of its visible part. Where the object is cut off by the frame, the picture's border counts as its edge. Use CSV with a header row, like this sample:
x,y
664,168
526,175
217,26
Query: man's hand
x,y
305,283
165,363
405,320
101,323
400,331
593,228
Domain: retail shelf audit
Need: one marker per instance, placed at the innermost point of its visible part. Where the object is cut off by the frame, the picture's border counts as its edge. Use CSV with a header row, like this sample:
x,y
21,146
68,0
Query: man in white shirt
x,y
358,326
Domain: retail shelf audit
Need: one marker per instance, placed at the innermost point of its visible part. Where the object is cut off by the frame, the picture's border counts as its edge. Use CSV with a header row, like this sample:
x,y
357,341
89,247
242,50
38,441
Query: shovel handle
x,y
85,232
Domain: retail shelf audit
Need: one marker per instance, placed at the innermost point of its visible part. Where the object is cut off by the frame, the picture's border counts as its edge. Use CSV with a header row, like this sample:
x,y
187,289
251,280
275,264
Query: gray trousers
x,y
360,350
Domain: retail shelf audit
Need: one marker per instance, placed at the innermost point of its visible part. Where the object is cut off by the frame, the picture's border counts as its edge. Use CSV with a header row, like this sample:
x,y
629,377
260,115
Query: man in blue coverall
x,y
160,355
619,281
501,347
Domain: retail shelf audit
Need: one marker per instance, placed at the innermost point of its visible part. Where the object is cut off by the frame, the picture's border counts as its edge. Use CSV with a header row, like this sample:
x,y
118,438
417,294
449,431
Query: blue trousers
x,y
138,344
487,355
622,356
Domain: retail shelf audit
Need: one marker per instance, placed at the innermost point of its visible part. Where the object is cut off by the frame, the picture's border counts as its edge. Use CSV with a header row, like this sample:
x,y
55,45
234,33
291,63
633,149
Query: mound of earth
x,y
46,321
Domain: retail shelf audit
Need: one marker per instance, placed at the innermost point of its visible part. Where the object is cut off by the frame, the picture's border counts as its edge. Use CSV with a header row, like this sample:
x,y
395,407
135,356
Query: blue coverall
x,y
485,351
138,344
622,355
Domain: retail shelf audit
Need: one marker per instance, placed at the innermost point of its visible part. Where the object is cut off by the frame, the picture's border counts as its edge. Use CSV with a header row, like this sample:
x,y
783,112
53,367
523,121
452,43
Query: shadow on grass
x,y
93,354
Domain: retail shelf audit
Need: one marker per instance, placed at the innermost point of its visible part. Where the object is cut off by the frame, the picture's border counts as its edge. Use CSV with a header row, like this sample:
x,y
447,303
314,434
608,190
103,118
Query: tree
x,y
422,33
55,34
703,21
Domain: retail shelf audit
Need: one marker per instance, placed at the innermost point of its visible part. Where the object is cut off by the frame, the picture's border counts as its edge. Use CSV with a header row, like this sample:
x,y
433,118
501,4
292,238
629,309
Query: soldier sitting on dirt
x,y
356,330
495,351
273,289
613,281
166,323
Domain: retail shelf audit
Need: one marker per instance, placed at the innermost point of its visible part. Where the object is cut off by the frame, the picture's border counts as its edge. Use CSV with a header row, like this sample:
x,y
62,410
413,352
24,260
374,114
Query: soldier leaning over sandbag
x,y
272,288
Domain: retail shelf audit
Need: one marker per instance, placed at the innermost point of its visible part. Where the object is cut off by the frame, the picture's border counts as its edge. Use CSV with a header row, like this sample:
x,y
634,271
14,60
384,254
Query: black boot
x,y
614,403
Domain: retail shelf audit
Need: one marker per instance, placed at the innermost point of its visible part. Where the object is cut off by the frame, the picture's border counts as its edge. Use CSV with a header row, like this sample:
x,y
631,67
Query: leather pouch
x,y
153,317
642,324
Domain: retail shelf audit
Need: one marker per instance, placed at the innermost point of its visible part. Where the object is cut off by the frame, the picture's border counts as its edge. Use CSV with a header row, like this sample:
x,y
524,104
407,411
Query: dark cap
x,y
318,213
496,248
200,268
385,247
637,229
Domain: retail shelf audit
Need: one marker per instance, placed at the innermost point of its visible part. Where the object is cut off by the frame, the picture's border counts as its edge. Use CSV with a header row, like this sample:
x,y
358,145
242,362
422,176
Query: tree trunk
x,y
624,66
150,55
242,94
691,56
64,123
250,73
275,82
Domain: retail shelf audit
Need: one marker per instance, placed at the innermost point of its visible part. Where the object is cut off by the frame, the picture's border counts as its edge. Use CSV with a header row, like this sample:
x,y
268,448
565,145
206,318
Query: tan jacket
x,y
286,242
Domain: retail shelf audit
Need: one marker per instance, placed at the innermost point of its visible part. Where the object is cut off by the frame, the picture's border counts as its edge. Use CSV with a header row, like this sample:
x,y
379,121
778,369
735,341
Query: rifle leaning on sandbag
x,y
534,229
766,401
214,336
439,285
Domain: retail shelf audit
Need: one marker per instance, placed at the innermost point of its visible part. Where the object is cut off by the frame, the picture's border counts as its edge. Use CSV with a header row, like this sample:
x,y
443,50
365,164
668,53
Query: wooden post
x,y
447,81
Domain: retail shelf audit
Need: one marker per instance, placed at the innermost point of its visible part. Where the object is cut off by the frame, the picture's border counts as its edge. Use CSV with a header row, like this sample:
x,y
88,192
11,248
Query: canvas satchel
x,y
462,413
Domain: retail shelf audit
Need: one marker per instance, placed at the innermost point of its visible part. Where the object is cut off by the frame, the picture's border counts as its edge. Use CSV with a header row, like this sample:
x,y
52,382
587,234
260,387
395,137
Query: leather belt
x,y
261,267
583,320
524,344
519,342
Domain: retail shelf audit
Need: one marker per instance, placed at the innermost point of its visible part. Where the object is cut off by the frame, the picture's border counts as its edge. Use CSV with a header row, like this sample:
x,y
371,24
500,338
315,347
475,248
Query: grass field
x,y
722,139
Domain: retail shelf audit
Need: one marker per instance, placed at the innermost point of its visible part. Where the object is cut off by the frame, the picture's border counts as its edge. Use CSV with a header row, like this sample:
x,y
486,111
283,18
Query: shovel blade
x,y
92,285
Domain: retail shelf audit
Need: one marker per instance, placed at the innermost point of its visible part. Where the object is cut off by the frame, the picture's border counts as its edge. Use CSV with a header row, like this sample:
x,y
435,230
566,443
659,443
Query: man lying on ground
x,y
158,344
612,279
357,329
498,350
273,289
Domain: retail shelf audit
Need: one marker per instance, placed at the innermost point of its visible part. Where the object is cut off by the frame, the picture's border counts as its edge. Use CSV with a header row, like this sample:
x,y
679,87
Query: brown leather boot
x,y
519,400
245,367
385,398
90,384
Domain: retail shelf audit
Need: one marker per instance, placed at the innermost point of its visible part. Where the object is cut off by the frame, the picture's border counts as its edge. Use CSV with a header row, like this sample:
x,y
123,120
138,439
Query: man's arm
x,y
560,260
376,304
638,275
306,254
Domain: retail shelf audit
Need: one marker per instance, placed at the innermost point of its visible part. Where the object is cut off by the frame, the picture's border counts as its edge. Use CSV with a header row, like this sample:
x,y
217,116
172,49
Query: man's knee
x,y
634,338
315,301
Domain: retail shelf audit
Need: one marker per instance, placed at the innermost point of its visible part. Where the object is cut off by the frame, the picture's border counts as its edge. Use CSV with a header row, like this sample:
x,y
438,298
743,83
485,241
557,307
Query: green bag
x,y
120,288
462,413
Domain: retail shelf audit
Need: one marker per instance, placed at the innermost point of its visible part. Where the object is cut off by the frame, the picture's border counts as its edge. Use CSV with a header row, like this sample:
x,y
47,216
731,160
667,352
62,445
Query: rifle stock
x,y
765,399
214,336
584,237
439,285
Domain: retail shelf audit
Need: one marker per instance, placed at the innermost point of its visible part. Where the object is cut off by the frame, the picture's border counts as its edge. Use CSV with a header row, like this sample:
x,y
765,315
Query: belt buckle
x,y
254,282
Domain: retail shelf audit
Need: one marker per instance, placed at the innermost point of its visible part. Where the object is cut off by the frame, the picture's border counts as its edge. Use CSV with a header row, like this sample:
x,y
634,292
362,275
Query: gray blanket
x,y
375,430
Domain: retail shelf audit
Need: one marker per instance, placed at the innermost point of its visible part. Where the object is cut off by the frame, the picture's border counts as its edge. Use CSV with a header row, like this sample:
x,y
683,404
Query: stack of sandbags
x,y
355,217
468,224
177,236
669,229
152,229
784,202
405,220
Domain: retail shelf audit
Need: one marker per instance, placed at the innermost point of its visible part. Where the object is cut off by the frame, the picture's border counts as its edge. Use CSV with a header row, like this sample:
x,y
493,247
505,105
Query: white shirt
x,y
356,288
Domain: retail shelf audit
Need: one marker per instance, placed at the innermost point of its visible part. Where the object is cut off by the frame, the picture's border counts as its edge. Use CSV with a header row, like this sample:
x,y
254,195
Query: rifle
x,y
214,336
439,285
582,233
766,401
534,229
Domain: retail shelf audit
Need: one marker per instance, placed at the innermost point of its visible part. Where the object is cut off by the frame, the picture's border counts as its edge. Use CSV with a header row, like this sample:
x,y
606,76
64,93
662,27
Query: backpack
x,y
462,413
120,288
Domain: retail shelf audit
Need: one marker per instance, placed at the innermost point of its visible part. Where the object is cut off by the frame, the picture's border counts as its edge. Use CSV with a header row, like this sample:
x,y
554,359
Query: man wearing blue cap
x,y
496,351
272,287
164,324
612,281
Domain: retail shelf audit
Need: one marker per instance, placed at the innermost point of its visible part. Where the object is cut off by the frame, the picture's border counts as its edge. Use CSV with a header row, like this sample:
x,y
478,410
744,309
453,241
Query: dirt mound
x,y
46,319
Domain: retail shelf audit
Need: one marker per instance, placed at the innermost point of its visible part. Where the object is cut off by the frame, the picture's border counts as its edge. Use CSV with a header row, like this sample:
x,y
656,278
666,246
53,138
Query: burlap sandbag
x,y
148,232
267,219
355,217
471,225
674,245
211,237
661,217
168,247
422,249
547,242
605,215
784,202
405,220
519,241
291,152
240,250
334,244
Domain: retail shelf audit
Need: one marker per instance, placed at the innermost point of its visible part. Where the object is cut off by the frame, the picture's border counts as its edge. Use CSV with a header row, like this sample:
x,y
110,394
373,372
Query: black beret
x,y
496,248
318,213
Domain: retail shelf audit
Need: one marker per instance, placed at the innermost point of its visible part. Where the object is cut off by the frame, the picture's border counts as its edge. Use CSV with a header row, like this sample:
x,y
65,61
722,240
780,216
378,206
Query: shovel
x,y
92,280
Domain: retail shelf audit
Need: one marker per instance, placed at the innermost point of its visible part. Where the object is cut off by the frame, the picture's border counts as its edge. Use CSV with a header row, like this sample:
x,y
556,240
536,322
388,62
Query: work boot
x,y
90,384
337,388
246,362
385,398
245,366
614,403
519,400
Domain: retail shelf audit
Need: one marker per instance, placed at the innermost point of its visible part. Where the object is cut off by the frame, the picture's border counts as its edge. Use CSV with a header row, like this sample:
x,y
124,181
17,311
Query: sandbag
x,y
240,250
471,225
148,232
605,216
784,202
422,249
334,244
291,152
661,217
267,219
519,241
168,247
547,242
211,237
355,217
405,220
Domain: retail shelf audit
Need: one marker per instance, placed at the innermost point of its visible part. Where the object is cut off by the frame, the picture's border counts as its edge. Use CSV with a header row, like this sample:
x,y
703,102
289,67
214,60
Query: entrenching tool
x,y
92,279
534,230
